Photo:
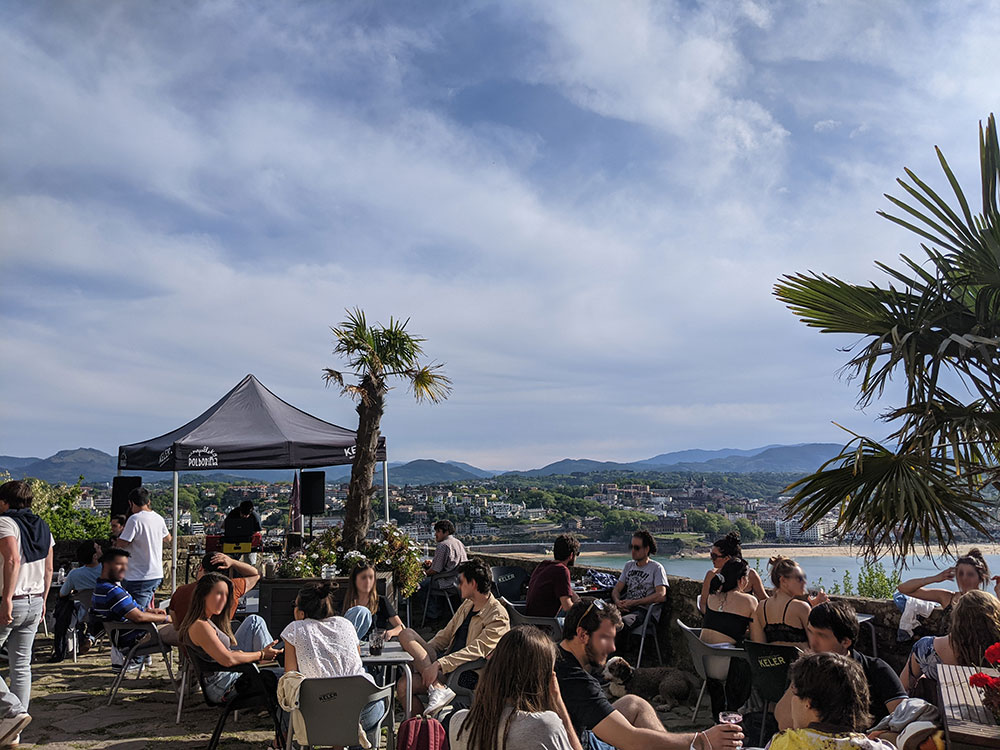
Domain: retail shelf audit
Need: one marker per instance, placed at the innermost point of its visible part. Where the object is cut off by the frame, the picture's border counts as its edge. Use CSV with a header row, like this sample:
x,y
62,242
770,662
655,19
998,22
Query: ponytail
x,y
729,577
315,600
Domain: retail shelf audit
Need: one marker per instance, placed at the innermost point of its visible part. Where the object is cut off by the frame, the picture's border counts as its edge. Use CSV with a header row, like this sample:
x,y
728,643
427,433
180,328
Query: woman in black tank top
x,y
782,618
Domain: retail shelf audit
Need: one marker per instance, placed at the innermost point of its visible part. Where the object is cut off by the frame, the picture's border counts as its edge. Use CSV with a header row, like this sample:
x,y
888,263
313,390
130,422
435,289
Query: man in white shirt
x,y
642,584
143,537
25,575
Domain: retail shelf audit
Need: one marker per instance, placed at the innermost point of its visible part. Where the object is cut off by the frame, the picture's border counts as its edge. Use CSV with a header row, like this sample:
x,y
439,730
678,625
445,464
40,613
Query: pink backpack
x,y
421,733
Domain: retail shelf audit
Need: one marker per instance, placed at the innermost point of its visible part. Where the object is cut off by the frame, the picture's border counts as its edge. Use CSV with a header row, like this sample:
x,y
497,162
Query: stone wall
x,y
682,597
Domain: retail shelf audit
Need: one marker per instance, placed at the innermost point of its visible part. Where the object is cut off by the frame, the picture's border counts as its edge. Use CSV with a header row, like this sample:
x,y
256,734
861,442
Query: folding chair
x,y
769,665
331,709
708,662
441,585
648,626
509,581
142,647
548,625
261,698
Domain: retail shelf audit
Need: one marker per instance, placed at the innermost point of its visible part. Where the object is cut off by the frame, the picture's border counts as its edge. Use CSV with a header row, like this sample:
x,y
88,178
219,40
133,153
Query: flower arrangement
x,y
990,686
391,550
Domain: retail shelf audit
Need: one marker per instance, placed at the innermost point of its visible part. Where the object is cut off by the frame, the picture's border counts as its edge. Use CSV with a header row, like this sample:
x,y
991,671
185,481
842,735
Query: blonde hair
x,y
781,566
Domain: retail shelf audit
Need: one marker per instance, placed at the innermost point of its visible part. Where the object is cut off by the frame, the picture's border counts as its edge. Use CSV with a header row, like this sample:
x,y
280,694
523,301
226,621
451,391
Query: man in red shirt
x,y
549,589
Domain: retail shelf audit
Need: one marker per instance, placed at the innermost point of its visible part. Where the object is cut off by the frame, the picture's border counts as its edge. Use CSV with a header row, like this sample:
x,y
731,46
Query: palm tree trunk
x,y
357,507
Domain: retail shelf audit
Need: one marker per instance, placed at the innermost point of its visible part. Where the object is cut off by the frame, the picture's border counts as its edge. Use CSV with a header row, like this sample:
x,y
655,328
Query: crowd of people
x,y
532,692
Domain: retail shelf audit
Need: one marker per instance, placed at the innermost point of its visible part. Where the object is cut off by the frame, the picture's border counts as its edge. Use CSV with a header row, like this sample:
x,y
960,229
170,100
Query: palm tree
x,y
937,325
374,354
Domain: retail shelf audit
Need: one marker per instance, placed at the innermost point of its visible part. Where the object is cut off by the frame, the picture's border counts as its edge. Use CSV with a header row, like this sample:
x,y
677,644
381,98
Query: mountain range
x,y
97,466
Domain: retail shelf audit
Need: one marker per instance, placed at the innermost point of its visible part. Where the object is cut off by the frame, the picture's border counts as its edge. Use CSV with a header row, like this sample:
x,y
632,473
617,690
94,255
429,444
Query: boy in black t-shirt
x,y
629,723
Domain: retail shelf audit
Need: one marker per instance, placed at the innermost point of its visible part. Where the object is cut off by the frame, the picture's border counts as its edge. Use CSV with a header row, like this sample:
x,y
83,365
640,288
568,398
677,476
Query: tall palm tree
x,y
375,354
937,325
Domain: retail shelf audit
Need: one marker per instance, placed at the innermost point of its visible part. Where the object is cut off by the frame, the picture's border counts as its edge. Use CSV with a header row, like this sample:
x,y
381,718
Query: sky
x,y
582,206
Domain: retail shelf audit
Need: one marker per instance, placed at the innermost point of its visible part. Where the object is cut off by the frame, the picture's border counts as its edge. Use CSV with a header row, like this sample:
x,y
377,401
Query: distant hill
x,y
572,465
481,473
426,471
697,455
13,463
66,466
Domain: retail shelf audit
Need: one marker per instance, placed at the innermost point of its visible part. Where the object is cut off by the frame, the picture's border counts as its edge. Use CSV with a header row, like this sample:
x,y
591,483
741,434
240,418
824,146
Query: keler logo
x,y
165,456
122,459
202,457
351,451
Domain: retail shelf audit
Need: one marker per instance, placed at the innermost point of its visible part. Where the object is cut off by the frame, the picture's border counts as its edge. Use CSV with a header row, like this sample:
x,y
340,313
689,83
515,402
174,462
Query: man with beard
x,y
629,723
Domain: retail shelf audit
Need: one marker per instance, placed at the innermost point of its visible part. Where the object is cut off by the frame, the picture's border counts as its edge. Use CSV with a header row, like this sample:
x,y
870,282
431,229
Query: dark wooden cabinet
x,y
277,597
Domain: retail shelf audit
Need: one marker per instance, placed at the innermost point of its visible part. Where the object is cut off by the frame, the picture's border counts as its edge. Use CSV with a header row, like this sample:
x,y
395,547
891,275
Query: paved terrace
x,y
69,710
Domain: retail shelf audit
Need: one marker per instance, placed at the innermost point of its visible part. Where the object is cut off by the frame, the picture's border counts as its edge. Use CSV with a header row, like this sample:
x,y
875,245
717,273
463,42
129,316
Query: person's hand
x,y
430,674
270,651
222,560
43,610
5,615
725,736
156,610
624,604
554,688
948,574
818,599
996,585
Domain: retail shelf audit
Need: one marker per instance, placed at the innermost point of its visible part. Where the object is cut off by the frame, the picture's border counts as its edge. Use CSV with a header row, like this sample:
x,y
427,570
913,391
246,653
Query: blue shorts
x,y
591,741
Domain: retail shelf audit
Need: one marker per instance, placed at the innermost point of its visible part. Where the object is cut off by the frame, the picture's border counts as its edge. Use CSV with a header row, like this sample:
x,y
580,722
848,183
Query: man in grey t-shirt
x,y
643,582
448,555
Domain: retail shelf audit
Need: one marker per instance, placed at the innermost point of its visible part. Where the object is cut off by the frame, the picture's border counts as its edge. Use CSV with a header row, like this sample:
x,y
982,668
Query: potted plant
x,y
989,686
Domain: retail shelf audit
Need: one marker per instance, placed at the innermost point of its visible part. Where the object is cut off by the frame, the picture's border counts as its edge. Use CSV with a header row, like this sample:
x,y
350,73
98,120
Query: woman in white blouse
x,y
318,643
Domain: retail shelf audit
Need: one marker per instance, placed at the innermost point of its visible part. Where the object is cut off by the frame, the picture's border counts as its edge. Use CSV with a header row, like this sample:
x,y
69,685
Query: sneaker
x,y
55,659
438,698
10,729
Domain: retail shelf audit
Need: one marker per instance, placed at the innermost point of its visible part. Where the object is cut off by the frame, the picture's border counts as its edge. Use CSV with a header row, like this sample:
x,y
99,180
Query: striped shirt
x,y
111,602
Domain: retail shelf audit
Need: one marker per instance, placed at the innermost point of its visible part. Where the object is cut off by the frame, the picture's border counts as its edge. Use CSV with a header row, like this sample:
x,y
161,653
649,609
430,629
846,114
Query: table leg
x,y
390,743
409,691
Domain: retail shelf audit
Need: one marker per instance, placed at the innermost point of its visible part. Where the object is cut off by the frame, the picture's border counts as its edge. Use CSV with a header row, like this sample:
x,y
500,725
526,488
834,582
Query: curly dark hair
x,y
315,600
729,545
566,545
476,571
729,577
647,540
588,614
836,689
445,527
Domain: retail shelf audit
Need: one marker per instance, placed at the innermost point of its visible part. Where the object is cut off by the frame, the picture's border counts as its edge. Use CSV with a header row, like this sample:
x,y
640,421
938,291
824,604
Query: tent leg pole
x,y
173,541
385,485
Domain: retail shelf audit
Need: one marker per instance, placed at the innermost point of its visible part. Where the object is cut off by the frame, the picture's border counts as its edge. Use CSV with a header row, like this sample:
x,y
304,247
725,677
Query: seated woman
x,y
206,630
320,644
361,597
727,618
829,706
782,618
726,549
517,703
969,573
975,626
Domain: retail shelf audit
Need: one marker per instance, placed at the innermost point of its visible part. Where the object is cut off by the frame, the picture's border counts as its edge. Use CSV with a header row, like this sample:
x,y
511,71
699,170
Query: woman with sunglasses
x,y
782,618
726,549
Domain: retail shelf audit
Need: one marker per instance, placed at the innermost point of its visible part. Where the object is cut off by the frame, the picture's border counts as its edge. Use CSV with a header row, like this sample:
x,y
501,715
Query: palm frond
x,y
429,383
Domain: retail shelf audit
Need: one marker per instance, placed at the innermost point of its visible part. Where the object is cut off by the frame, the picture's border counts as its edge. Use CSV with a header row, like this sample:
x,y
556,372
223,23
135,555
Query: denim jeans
x,y
252,635
371,715
361,619
19,637
142,591
591,741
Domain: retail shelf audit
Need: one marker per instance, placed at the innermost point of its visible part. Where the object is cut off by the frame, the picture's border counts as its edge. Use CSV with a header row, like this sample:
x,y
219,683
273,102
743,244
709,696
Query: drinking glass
x,y
730,717
376,642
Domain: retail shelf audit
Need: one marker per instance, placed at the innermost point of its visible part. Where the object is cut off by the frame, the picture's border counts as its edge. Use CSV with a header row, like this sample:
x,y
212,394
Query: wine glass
x,y
730,717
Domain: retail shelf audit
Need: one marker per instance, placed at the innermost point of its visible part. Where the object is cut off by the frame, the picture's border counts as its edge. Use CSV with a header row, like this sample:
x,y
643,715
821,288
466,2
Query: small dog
x,y
619,672
666,686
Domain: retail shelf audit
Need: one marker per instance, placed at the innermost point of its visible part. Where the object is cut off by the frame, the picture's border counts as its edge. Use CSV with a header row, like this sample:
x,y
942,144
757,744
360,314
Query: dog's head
x,y
618,670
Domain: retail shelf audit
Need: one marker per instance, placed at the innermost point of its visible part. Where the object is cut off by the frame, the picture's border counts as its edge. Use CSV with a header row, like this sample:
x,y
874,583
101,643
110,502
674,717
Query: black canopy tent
x,y
248,428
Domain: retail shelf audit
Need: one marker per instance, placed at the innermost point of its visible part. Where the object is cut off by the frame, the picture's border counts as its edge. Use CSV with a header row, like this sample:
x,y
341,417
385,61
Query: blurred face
x,y
365,581
116,569
966,577
467,588
823,640
794,583
802,712
600,644
116,528
718,559
439,536
639,552
97,554
217,599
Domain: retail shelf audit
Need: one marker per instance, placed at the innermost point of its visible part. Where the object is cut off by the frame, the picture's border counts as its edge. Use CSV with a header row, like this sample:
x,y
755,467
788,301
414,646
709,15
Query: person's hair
x,y
139,497
17,494
114,553
475,570
589,616
839,617
196,610
246,507
975,626
353,598
566,545
85,552
517,676
729,545
208,566
647,540
781,566
120,519
729,577
315,600
445,527
975,558
836,688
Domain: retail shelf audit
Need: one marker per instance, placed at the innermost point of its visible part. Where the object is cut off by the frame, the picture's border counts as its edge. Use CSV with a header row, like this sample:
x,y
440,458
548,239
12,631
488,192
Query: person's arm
x,y
563,714
127,535
396,629
705,585
67,587
757,626
246,571
48,576
565,602
439,561
757,585
996,586
915,587
156,616
482,646
615,730
911,673
659,594
291,660
204,636
11,552
890,706
616,593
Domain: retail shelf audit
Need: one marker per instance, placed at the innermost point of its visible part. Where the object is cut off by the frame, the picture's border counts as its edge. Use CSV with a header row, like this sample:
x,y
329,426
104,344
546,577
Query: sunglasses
x,y
797,576
637,547
715,555
599,603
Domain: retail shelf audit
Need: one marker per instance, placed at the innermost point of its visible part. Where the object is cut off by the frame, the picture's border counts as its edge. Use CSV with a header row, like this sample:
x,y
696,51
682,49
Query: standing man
x,y
143,538
550,589
70,614
117,526
25,575
642,584
241,523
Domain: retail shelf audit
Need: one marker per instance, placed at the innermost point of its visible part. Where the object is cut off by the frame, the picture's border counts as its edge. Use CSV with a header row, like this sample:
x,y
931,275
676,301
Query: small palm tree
x,y
374,354
937,324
